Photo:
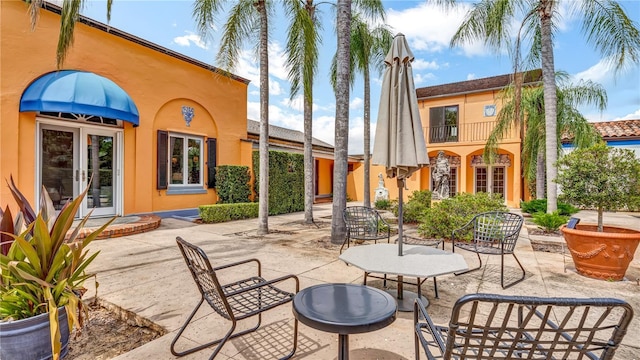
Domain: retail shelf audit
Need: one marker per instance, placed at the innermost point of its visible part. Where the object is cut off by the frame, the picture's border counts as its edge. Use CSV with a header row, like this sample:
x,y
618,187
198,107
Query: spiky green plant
x,y
44,270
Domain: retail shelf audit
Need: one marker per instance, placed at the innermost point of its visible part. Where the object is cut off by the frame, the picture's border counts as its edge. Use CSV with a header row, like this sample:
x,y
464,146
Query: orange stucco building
x,y
457,118
183,119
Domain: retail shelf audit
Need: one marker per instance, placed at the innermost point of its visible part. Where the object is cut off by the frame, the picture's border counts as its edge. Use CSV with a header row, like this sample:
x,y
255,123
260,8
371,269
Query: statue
x,y
440,173
381,192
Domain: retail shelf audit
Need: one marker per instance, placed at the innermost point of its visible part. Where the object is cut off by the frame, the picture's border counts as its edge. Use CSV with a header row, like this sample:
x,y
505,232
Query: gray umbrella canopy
x,y
399,144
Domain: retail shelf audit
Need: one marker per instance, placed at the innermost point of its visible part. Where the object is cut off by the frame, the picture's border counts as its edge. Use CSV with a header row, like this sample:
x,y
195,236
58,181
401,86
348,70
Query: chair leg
x,y
502,272
435,287
295,341
346,241
470,270
220,342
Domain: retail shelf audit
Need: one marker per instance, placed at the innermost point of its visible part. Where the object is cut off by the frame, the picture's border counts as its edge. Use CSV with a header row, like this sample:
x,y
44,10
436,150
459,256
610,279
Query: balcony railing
x,y
469,132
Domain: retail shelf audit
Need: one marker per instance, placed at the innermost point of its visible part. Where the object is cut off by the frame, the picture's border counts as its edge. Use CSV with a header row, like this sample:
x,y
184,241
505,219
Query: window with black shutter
x,y
211,163
162,156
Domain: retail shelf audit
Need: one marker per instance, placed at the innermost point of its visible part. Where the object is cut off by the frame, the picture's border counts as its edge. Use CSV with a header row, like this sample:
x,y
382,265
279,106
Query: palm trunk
x,y
263,201
540,175
549,88
338,227
308,159
367,138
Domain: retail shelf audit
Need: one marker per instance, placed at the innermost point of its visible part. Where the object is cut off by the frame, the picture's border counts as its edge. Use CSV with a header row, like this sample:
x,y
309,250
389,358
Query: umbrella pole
x,y
400,215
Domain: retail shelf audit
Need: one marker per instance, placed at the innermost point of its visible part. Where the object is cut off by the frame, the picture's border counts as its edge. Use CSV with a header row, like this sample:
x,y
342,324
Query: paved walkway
x,y
145,274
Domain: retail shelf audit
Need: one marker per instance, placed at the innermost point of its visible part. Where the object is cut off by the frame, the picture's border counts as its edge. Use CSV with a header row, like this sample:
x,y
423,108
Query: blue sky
x,y
428,30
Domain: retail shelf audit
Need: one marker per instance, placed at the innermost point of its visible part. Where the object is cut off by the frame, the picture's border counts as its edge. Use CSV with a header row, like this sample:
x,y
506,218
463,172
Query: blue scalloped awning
x,y
79,92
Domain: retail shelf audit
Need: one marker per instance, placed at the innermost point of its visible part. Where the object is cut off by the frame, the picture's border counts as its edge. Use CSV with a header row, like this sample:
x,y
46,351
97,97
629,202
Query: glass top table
x,y
344,309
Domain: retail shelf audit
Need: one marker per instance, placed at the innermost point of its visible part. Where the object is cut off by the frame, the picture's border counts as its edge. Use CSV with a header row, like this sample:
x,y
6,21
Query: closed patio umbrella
x,y
399,143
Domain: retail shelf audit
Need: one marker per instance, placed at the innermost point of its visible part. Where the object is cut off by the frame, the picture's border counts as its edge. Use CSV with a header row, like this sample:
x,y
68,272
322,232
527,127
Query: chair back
x,y
205,278
487,326
362,221
497,228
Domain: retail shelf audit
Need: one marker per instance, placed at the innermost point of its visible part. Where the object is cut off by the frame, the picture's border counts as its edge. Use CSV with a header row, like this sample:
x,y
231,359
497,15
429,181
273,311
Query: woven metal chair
x,y
487,326
233,301
492,233
364,223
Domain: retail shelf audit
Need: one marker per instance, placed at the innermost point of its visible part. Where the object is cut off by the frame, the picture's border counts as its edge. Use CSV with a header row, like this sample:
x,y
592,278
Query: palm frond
x,y
241,26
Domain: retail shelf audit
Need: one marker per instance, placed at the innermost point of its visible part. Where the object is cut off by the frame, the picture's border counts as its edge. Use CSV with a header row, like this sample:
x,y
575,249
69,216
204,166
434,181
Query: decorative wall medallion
x,y
489,110
187,114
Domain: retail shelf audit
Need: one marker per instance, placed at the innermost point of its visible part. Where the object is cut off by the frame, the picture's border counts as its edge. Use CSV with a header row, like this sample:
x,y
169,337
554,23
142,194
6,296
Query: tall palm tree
x,y
604,22
343,73
69,15
302,54
369,45
245,18
570,122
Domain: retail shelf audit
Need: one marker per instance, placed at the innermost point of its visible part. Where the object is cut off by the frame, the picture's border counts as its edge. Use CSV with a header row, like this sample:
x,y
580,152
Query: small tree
x,y
600,177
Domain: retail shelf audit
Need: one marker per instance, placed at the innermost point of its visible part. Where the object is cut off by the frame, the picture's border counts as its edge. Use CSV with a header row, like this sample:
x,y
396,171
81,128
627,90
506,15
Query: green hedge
x,y
449,214
540,206
226,212
415,208
286,181
232,184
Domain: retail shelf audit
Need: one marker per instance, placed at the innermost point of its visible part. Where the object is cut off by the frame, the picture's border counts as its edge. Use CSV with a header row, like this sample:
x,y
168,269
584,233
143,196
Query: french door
x,y
72,159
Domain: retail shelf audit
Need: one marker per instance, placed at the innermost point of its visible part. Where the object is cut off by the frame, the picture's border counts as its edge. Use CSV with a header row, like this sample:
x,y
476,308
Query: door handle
x,y
83,176
77,175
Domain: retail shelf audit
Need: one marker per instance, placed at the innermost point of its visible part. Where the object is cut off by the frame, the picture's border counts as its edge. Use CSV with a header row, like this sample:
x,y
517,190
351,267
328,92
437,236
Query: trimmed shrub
x,y
382,204
232,184
540,206
549,223
226,212
449,214
286,181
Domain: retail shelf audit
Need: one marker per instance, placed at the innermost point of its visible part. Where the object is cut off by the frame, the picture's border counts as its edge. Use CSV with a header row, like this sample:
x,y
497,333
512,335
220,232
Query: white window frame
x,y
185,161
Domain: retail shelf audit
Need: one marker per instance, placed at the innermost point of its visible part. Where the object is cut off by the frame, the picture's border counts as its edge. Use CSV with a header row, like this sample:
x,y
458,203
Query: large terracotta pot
x,y
601,255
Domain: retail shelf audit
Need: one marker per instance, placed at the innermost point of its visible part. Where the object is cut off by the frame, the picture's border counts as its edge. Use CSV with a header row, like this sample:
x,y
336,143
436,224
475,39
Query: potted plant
x,y
605,179
43,271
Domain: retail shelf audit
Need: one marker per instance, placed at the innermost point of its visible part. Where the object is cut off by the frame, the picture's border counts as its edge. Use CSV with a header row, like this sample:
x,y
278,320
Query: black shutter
x,y
211,163
162,156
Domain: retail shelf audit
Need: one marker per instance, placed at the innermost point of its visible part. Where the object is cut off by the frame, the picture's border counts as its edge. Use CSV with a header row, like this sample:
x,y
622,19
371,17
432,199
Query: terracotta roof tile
x,y
484,84
619,128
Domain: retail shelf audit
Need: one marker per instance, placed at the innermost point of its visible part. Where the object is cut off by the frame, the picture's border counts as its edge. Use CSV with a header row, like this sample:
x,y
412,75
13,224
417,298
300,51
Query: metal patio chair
x,y
487,326
492,233
234,301
364,223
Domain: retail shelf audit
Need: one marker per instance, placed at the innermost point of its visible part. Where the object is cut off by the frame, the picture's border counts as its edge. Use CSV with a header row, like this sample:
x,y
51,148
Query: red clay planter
x,y
601,255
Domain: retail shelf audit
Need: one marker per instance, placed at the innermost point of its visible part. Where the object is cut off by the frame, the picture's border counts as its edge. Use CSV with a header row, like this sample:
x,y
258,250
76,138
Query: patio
x,y
145,274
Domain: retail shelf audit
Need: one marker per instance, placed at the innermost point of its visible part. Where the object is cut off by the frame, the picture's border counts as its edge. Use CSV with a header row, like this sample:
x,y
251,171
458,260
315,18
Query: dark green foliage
x,y
549,223
419,201
540,206
226,212
449,214
286,181
232,184
382,204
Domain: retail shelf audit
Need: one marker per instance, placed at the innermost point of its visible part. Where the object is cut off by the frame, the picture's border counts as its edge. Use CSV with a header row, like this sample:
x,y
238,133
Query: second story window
x,y
443,124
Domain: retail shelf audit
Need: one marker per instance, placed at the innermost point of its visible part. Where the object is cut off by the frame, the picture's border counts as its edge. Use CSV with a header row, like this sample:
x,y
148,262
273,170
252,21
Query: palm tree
x,y
343,73
368,47
245,18
570,122
303,40
605,23
69,15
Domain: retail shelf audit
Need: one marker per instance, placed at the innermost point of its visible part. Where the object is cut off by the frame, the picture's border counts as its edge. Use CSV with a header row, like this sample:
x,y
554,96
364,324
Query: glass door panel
x,y
59,164
99,168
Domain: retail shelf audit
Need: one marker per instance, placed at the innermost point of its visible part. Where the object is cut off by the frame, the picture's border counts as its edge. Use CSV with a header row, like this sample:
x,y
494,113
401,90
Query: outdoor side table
x,y
344,309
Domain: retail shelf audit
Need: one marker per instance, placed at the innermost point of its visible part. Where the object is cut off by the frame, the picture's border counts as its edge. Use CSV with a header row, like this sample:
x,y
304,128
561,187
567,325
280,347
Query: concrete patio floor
x,y
145,274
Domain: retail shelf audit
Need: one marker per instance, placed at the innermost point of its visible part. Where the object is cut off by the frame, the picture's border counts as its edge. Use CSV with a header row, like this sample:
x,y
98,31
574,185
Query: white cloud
x,y
633,116
471,76
189,39
274,88
419,64
419,79
596,73
277,62
429,27
356,103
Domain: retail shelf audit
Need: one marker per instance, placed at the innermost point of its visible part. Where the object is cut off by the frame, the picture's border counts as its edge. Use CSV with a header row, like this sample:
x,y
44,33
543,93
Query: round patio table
x,y
344,309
